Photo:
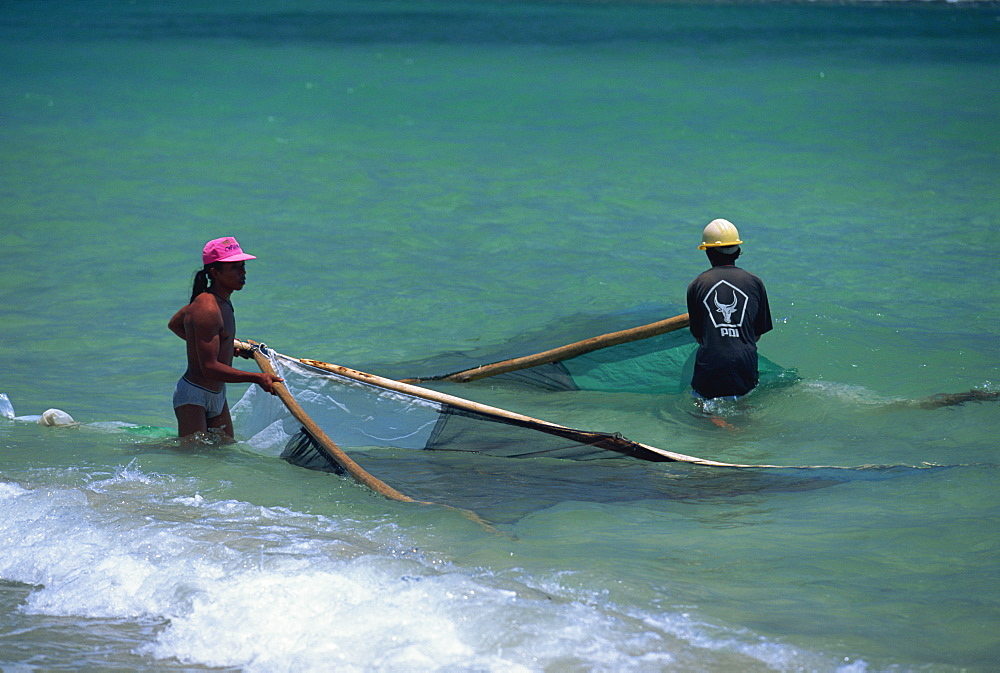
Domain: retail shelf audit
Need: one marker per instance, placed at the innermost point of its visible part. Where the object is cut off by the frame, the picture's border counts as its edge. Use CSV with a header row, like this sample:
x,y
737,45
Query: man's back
x,y
729,311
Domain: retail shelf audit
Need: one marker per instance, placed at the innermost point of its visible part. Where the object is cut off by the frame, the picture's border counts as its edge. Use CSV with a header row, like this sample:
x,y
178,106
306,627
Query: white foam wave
x,y
269,589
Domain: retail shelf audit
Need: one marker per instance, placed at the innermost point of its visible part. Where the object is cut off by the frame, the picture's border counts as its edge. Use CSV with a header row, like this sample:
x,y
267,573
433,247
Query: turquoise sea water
x,y
419,178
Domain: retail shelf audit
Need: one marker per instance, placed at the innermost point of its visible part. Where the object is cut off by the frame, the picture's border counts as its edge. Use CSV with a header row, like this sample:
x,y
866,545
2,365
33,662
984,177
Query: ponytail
x,y
201,280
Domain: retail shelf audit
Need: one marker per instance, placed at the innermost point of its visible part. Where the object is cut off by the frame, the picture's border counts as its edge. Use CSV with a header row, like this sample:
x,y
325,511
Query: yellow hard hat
x,y
719,234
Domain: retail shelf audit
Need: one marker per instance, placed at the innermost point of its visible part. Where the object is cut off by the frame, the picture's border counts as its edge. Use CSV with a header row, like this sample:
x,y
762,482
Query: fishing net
x,y
365,414
355,410
659,364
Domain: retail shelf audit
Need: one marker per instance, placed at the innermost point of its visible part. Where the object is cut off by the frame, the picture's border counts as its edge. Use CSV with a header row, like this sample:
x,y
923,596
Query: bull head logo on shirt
x,y
725,309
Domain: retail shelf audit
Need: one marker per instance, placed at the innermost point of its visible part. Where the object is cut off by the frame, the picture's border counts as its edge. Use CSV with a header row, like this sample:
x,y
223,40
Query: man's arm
x,y
694,313
176,323
762,321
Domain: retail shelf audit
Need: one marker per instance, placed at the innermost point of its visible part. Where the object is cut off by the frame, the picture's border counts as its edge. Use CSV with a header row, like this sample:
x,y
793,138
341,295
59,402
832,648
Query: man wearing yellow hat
x,y
729,312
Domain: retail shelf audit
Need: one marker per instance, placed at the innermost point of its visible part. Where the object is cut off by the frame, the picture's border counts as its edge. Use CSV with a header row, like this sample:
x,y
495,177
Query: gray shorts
x,y
191,393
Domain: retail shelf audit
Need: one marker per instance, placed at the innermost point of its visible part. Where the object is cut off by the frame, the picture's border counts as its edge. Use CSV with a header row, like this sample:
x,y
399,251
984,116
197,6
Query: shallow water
x,y
441,177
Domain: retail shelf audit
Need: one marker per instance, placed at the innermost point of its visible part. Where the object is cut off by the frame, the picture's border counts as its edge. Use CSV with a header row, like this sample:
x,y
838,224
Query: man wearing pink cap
x,y
208,325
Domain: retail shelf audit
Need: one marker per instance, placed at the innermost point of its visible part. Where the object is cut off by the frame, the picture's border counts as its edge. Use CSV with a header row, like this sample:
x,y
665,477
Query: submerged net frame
x,y
364,410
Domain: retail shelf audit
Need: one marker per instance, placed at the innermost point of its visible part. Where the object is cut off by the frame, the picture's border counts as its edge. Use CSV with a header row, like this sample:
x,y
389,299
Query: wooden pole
x,y
336,453
327,444
567,351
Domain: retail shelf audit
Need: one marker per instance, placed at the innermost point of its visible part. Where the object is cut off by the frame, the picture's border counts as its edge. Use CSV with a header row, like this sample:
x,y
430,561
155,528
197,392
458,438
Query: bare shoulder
x,y
204,301
203,311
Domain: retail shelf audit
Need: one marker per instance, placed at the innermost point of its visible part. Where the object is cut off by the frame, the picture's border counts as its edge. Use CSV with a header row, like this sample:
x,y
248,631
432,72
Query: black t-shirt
x,y
729,311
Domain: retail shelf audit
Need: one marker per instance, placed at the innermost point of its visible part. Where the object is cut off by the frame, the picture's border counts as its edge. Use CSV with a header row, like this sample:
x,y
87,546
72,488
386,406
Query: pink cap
x,y
223,250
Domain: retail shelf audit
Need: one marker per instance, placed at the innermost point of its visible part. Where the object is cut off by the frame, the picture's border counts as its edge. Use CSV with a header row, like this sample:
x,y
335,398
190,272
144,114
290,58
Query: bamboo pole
x,y
567,351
